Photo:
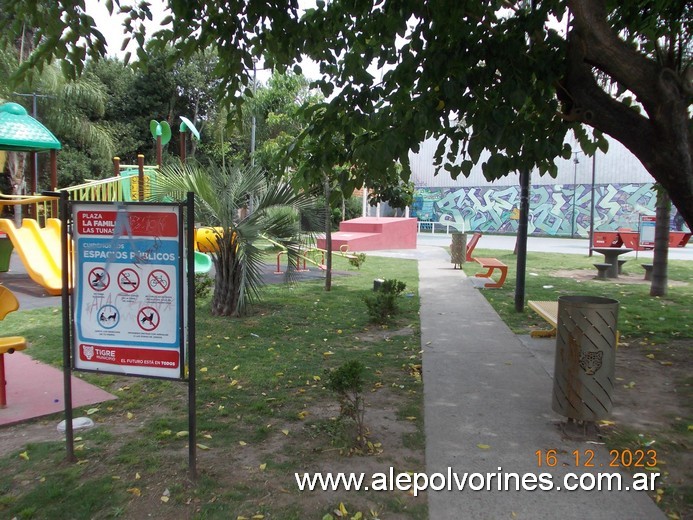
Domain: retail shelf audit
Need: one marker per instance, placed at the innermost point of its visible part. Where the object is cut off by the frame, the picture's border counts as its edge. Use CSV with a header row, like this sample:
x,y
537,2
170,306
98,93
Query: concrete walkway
x,y
487,401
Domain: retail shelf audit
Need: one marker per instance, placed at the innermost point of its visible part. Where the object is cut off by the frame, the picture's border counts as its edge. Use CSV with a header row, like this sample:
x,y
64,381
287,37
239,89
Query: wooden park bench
x,y
491,264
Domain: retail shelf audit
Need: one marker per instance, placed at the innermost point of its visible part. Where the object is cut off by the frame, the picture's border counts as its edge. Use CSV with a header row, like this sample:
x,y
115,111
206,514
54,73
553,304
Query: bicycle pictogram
x,y
158,281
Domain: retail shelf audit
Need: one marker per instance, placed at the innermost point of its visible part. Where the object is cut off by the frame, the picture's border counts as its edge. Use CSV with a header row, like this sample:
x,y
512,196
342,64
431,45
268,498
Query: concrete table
x,y
611,255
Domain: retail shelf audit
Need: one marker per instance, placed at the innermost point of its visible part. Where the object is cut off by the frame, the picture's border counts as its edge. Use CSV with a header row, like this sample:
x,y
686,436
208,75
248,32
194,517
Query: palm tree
x,y
221,196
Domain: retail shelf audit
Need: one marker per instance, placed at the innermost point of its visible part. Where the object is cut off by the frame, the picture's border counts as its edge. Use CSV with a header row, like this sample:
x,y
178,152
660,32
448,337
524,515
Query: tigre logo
x,y
88,352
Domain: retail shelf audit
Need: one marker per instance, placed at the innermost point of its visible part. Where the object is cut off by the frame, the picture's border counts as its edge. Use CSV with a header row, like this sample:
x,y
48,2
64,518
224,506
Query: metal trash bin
x,y
583,381
458,249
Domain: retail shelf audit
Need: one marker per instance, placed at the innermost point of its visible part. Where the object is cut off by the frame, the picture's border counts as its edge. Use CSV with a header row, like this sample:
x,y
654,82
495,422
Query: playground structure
x,y
374,233
37,240
8,344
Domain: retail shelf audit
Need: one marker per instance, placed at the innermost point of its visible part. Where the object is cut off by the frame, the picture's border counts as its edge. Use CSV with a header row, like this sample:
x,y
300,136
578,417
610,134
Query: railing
x,y
425,225
38,207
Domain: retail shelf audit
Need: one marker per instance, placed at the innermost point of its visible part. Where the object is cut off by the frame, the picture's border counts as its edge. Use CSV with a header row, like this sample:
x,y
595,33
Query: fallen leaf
x,y
92,411
263,466
24,455
483,446
302,415
182,433
650,356
129,415
137,476
286,432
203,369
202,446
242,443
236,367
135,491
164,499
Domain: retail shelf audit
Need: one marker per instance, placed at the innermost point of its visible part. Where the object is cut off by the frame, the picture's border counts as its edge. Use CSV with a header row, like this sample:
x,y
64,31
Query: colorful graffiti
x,y
559,209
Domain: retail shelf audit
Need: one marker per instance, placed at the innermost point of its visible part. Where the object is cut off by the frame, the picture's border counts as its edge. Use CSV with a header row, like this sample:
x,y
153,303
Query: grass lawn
x,y
263,414
653,392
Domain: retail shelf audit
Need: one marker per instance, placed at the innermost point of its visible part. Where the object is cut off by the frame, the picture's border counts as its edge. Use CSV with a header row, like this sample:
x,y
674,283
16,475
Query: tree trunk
x,y
227,283
328,236
661,247
16,165
660,137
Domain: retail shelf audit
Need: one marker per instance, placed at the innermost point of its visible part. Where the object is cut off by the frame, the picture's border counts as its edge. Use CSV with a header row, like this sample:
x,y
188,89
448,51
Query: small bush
x,y
203,285
357,260
382,304
347,381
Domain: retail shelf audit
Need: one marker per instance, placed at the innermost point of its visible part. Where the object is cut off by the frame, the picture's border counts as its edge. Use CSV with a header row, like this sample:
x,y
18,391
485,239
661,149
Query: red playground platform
x,y
374,233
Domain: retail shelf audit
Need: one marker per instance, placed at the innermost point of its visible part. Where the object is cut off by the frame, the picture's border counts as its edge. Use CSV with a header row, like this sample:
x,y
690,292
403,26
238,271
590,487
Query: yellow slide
x,y
39,248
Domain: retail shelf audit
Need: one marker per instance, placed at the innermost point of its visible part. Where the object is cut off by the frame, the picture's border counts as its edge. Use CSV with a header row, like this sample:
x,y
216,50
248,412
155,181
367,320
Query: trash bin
x,y
583,381
458,249
5,252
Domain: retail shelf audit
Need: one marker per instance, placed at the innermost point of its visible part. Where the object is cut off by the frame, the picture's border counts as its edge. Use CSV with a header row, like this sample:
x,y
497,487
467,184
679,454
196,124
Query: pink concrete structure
x,y
374,233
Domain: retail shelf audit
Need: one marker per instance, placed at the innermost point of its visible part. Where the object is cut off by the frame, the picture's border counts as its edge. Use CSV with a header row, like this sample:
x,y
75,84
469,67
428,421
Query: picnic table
x,y
611,255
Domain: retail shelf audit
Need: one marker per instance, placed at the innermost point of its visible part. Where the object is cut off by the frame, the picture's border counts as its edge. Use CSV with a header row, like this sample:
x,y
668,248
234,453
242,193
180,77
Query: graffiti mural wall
x,y
559,210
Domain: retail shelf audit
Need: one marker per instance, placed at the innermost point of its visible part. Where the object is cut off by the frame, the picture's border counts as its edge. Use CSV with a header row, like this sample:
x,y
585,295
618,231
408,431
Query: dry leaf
x,y
483,446
263,466
242,443
286,432
164,499
24,455
202,446
135,491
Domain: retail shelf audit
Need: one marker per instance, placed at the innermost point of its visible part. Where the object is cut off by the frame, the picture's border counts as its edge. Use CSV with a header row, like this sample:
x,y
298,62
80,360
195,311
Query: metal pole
x,y
521,243
67,327
252,126
192,391
594,176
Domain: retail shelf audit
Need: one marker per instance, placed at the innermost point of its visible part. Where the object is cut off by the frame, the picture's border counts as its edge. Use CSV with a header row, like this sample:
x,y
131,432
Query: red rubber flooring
x,y
35,389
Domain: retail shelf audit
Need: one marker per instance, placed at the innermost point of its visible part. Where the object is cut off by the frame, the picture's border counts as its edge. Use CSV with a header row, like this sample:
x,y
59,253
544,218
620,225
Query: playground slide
x,y
39,252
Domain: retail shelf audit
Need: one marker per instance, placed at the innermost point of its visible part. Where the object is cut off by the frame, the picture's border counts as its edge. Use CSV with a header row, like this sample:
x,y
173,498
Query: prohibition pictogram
x,y
148,318
108,316
158,281
99,279
128,280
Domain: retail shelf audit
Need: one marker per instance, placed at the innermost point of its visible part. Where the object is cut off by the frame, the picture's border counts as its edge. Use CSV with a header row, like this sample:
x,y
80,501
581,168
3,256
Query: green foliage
x,y
347,381
382,303
203,285
221,200
357,259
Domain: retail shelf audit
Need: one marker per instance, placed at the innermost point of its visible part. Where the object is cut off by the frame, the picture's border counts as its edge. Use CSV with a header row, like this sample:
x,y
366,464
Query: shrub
x,y
347,382
357,259
203,285
382,304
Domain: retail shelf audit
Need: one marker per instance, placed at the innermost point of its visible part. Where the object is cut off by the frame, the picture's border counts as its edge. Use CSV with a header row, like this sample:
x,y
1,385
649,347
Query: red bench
x,y
491,264
471,245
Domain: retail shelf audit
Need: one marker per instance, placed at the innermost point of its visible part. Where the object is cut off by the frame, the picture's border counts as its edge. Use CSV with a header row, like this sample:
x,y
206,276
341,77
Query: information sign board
x,y
128,297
